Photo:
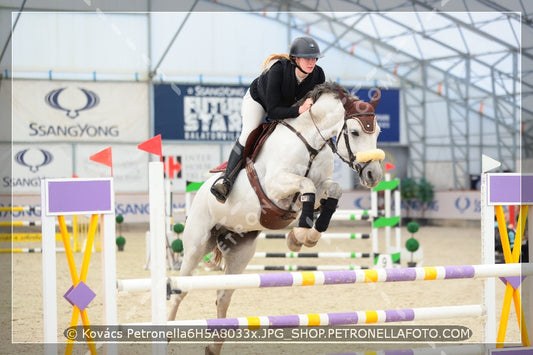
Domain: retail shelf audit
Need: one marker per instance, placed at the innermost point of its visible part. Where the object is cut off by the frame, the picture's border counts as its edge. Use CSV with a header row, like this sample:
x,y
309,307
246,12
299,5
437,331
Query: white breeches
x,y
252,114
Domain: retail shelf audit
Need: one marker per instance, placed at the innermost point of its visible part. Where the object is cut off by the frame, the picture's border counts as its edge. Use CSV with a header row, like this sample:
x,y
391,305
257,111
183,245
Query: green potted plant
x,y
120,241
412,244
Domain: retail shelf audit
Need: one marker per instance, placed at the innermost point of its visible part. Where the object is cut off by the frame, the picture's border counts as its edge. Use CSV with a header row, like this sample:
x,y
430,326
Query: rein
x,y
312,151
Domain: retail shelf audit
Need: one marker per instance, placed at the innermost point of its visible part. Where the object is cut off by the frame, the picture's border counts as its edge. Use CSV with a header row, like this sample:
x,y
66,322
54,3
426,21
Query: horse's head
x,y
356,144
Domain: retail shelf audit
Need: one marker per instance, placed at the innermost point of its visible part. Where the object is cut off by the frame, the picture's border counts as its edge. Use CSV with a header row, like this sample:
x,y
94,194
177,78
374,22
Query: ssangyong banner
x,y
198,112
213,112
33,162
80,111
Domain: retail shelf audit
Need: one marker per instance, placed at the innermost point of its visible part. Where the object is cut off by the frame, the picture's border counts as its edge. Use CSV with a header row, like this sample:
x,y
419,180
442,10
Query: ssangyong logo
x,y
72,102
52,99
35,159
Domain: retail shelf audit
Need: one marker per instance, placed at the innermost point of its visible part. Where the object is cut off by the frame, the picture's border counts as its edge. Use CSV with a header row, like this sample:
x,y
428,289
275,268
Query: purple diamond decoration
x,y
515,281
80,295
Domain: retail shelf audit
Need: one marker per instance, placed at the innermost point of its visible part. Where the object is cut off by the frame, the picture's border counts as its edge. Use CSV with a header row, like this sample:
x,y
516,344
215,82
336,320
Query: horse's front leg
x,y
332,192
286,184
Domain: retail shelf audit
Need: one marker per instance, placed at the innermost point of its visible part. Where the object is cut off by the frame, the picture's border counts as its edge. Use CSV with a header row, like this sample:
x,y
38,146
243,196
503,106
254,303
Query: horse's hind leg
x,y
194,251
238,250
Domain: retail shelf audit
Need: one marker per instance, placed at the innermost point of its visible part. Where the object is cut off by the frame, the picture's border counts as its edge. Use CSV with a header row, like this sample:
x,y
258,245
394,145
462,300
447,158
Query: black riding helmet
x,y
305,47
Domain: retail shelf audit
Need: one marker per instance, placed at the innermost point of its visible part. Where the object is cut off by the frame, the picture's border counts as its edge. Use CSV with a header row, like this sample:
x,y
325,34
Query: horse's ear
x,y
342,97
375,99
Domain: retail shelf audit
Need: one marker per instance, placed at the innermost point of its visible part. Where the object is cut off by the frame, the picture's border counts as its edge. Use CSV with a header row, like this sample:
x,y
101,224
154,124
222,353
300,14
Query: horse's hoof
x,y
293,243
312,238
209,351
310,244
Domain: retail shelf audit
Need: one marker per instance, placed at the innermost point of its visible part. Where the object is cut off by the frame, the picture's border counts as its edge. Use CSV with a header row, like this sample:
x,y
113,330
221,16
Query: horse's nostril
x,y
370,176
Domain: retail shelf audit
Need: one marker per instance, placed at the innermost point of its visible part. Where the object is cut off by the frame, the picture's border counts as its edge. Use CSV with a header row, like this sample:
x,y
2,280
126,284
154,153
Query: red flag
x,y
389,166
104,157
152,146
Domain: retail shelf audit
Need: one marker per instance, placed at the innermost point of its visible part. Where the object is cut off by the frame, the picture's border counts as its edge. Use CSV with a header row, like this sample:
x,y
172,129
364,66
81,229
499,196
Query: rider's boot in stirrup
x,y
222,186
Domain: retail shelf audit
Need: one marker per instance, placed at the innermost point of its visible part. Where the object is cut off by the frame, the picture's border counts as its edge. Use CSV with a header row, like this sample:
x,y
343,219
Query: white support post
x,y
109,275
49,276
398,212
374,213
169,220
487,256
388,203
157,247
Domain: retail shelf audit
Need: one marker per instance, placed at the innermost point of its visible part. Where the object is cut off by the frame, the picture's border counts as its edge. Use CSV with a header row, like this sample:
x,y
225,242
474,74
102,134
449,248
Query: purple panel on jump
x,y
339,277
283,321
399,315
231,323
343,318
400,352
510,189
79,196
405,274
275,280
459,272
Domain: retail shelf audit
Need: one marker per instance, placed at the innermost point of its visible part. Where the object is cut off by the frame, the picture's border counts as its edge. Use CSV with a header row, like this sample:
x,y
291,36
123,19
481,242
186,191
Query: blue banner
x,y
198,112
213,112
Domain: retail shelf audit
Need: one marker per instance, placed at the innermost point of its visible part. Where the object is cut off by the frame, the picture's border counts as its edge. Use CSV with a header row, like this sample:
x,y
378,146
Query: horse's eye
x,y
355,133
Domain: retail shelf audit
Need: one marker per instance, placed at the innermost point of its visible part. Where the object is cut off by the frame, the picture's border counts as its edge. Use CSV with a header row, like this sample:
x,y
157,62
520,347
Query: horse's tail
x,y
216,259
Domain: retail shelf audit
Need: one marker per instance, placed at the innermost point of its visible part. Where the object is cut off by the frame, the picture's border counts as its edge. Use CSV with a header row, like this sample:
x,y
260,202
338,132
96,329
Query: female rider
x,y
286,78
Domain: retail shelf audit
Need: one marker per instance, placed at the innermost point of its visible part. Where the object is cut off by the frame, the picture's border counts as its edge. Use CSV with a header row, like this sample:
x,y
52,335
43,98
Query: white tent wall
x,y
104,43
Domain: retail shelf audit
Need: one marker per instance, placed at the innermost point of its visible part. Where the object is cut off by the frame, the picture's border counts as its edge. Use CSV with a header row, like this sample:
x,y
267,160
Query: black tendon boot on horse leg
x,y
223,185
297,236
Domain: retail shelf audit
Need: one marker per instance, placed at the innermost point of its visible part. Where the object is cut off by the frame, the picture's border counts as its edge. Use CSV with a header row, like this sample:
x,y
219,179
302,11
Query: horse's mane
x,y
325,88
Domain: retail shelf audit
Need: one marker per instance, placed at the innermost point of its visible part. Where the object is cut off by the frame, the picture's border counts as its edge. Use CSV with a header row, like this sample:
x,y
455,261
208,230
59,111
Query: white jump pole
x,y
334,277
398,212
49,278
388,203
157,241
157,247
374,213
487,251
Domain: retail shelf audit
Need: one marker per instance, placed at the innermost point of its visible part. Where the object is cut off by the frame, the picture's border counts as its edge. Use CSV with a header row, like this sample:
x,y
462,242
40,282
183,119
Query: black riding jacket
x,y
278,89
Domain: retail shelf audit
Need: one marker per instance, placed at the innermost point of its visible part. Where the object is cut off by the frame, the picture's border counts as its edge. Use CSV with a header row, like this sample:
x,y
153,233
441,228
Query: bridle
x,y
367,120
333,143
352,158
313,152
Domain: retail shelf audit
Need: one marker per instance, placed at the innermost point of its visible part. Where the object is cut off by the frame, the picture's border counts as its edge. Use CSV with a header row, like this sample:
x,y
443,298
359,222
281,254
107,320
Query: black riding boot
x,y
222,186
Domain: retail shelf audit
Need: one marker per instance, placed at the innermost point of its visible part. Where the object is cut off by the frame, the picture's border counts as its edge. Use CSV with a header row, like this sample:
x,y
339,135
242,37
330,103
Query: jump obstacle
x,y
61,197
487,270
159,280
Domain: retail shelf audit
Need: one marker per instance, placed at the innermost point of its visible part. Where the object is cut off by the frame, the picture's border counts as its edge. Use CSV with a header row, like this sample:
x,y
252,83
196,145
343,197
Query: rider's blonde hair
x,y
272,59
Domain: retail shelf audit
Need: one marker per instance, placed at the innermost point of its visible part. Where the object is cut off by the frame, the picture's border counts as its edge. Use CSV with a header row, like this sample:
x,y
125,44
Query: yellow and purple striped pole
x,y
316,278
340,318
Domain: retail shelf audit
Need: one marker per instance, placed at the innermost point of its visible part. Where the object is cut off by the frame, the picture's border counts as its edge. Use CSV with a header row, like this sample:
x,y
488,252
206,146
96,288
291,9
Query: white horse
x,y
293,171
